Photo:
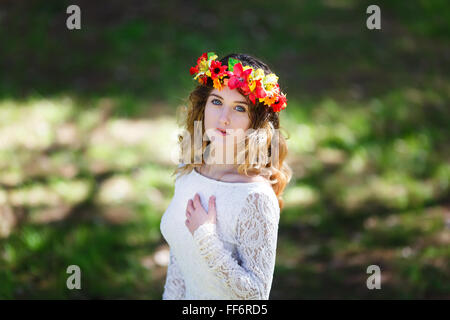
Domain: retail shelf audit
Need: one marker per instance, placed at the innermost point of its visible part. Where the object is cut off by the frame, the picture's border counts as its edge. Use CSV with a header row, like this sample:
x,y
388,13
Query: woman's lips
x,y
222,132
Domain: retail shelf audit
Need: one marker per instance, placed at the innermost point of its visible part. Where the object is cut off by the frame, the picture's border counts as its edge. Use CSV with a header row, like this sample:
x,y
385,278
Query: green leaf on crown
x,y
231,63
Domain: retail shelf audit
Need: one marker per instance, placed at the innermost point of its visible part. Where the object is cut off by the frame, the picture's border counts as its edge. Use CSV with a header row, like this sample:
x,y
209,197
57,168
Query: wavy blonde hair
x,y
264,122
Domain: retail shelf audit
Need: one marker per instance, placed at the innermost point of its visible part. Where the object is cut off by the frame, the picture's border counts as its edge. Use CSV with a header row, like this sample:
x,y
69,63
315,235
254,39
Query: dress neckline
x,y
226,182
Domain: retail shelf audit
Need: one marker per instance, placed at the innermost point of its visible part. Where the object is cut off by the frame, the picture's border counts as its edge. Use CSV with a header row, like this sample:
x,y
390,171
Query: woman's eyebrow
x,y
213,94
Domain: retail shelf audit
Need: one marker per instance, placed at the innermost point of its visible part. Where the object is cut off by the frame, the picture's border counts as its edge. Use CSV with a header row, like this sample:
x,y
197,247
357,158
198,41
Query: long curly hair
x,y
264,122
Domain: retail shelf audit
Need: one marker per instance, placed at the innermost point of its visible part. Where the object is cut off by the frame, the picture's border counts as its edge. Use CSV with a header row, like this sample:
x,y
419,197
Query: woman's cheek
x,y
209,117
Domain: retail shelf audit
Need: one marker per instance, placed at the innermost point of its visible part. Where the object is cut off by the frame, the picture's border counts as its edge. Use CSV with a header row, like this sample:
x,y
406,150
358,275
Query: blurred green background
x,y
88,122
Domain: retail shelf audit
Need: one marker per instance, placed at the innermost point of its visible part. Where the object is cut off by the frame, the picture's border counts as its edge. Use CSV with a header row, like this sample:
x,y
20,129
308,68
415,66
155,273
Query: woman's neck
x,y
218,170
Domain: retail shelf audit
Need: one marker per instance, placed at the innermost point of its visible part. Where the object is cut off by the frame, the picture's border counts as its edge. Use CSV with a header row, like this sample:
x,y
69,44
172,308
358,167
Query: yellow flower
x,y
258,74
204,65
214,57
268,87
270,79
252,85
217,84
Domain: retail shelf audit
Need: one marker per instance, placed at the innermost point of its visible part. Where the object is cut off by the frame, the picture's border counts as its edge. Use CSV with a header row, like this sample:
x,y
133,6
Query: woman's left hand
x,y
196,215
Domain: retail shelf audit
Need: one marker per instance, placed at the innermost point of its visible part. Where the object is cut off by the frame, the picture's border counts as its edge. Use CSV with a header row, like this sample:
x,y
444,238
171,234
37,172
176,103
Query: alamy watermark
x,y
74,281
74,20
374,20
374,281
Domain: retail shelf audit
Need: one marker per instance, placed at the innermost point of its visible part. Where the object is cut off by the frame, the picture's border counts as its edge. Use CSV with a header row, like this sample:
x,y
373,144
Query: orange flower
x,y
217,84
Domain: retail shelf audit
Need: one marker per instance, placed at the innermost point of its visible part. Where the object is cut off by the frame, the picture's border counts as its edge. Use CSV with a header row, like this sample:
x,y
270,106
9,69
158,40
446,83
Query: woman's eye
x,y
242,109
216,100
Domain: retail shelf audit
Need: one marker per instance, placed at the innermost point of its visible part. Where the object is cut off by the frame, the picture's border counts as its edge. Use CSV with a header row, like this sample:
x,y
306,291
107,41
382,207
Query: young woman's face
x,y
226,109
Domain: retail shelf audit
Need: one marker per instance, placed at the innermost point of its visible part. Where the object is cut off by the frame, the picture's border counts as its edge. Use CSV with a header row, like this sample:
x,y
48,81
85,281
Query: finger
x,y
212,205
212,201
193,203
188,214
190,206
196,200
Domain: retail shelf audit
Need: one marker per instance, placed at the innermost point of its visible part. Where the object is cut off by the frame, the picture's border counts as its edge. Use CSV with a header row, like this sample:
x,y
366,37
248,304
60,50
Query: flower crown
x,y
254,83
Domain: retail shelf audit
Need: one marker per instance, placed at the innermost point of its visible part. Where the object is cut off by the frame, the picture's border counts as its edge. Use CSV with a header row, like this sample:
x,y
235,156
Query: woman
x,y
222,223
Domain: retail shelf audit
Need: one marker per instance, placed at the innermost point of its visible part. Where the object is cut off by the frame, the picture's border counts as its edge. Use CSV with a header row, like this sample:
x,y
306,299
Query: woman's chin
x,y
219,140
220,144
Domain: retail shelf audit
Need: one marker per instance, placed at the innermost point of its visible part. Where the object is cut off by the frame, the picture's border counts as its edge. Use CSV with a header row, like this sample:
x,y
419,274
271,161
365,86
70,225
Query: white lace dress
x,y
233,259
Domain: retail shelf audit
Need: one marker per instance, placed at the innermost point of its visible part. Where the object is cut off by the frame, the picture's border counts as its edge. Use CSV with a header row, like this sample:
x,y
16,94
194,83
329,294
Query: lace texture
x,y
174,288
250,276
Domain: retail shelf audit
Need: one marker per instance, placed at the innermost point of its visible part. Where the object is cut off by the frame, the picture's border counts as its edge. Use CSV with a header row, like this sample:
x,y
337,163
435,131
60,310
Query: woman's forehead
x,y
228,94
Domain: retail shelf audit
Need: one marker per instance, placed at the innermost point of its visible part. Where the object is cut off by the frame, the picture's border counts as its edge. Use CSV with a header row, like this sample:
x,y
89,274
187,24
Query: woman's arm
x,y
256,234
174,288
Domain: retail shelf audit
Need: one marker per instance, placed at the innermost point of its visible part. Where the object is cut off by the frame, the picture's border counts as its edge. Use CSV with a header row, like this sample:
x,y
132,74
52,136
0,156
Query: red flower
x,y
217,70
193,70
258,92
203,79
202,57
280,104
252,97
239,77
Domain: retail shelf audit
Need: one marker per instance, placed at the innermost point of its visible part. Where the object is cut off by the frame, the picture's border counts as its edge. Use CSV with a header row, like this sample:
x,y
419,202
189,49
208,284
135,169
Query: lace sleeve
x,y
256,235
174,288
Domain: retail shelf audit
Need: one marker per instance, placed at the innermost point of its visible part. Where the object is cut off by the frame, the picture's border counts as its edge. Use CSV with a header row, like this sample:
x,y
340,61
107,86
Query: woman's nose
x,y
224,117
